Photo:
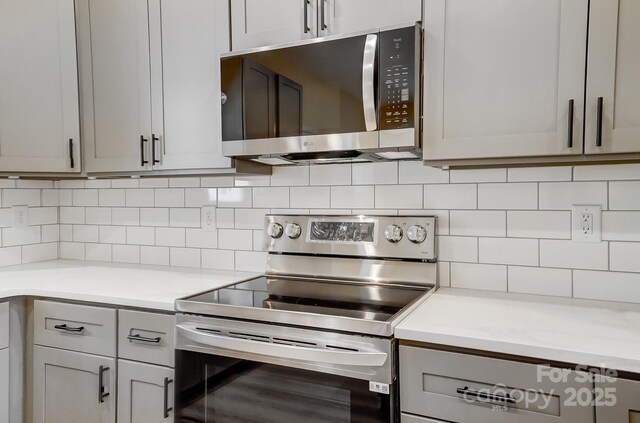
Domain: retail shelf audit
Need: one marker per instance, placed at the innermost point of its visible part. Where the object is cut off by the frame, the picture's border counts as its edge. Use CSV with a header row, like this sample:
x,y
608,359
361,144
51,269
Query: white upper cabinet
x,y
115,83
256,23
613,91
39,117
345,16
187,38
502,78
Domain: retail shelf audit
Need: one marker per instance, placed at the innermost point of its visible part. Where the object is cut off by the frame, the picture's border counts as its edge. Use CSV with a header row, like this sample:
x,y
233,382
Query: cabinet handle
x,y
154,140
70,328
155,340
323,24
570,125
142,160
72,162
167,409
599,122
306,16
466,392
101,391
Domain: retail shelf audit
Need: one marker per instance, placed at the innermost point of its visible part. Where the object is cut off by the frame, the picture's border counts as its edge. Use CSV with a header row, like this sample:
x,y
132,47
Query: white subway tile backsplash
x,y
218,259
25,183
235,239
126,253
398,196
310,197
110,197
478,175
139,197
39,252
444,273
110,234
217,181
71,183
625,256
157,256
43,215
330,174
415,172
539,224
509,196
125,216
10,256
51,233
286,176
154,217
21,197
225,218
479,276
72,215
539,174
170,197
235,197
574,255
198,238
21,236
352,197
540,281
98,216
71,251
184,218
269,197
624,195
374,173
171,237
608,286
251,261
139,235
563,195
85,233
199,197
66,232
125,183
457,248
253,181
65,197
50,198
477,223
184,182
606,172
98,252
184,257
462,196
97,183
621,226
85,197
509,251
154,183
250,218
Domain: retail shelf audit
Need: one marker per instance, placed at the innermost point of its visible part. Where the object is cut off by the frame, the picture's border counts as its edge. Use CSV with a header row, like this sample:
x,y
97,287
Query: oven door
x,y
222,377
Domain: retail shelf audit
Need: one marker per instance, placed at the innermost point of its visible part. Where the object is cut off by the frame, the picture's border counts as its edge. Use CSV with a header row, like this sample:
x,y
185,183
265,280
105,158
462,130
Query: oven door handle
x,y
345,358
368,82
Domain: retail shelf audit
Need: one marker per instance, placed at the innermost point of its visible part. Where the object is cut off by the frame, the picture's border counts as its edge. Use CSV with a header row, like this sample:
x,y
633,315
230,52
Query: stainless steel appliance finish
x,y
318,324
347,98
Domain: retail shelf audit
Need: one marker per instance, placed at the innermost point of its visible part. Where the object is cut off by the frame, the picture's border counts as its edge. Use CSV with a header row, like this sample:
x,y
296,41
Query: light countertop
x,y
594,333
149,287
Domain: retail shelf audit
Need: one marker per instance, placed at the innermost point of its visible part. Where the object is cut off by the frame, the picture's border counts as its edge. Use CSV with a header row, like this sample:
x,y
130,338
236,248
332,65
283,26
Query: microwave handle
x,y
368,83
345,358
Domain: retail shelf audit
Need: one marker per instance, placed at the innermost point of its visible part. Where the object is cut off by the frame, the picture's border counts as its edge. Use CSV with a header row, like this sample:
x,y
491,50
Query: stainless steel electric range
x,y
312,339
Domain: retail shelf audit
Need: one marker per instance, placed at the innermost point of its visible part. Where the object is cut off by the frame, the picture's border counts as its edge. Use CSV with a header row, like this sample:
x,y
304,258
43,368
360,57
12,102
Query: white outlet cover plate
x,y
577,233
20,216
208,217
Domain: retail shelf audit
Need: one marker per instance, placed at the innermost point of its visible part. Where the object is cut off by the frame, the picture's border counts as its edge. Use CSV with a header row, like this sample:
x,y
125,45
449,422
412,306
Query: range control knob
x,y
274,230
417,234
393,233
293,230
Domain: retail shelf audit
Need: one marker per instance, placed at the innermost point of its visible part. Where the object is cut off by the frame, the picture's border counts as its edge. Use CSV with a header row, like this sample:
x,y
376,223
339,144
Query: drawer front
x,y
4,325
471,389
146,337
75,327
617,400
407,418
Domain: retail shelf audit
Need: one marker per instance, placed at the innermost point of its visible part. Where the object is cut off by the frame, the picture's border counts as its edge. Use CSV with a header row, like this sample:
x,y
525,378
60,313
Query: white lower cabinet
x,y
617,401
73,387
407,418
145,393
4,385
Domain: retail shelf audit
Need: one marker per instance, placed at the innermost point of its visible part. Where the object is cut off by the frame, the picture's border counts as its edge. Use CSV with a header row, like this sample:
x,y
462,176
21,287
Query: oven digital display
x,y
342,231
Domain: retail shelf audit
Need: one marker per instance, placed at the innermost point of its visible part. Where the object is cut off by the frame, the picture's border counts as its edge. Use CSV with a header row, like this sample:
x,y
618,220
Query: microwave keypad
x,y
397,79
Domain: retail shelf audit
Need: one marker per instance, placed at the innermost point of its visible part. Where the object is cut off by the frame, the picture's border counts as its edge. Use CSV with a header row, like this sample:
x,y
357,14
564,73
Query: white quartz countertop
x,y
594,333
149,287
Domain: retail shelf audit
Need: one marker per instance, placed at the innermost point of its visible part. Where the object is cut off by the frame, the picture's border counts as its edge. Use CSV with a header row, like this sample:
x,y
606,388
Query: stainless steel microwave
x,y
333,99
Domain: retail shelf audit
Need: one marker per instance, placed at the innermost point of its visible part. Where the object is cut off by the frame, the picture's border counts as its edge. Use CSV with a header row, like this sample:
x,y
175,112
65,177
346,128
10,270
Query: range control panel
x,y
397,77
403,237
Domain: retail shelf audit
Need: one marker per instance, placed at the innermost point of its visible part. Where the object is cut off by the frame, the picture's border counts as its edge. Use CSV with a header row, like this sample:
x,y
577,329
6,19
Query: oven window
x,y
227,390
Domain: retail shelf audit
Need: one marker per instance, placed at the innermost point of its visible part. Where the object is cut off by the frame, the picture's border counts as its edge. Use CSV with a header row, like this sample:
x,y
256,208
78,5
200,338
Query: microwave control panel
x,y
397,75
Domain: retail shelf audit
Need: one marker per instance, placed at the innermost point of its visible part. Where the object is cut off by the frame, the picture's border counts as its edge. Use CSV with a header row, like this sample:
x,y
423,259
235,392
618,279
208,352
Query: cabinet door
x,y
115,83
619,401
346,16
39,117
612,78
145,393
4,385
500,76
256,23
187,38
67,387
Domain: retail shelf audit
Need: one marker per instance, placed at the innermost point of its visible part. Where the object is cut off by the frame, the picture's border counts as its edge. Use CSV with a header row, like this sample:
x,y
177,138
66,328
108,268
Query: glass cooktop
x,y
366,301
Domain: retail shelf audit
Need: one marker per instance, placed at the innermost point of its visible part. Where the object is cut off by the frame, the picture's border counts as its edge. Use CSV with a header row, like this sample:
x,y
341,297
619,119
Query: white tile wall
x,y
499,229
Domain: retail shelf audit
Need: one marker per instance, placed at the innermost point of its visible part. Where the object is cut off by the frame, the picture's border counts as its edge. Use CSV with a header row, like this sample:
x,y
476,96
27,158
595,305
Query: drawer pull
x,y
66,328
139,338
483,396
101,391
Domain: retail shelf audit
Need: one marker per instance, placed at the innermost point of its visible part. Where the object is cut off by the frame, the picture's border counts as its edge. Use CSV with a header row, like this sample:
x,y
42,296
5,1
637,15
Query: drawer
x,y
470,389
75,327
4,325
147,337
617,400
407,418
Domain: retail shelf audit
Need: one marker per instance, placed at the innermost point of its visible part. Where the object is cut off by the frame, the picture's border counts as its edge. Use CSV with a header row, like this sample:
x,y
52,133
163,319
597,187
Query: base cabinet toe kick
x,y
438,386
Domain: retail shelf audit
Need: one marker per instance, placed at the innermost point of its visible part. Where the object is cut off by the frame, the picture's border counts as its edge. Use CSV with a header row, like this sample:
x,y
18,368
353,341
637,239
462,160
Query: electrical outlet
x,y
208,216
20,216
586,223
